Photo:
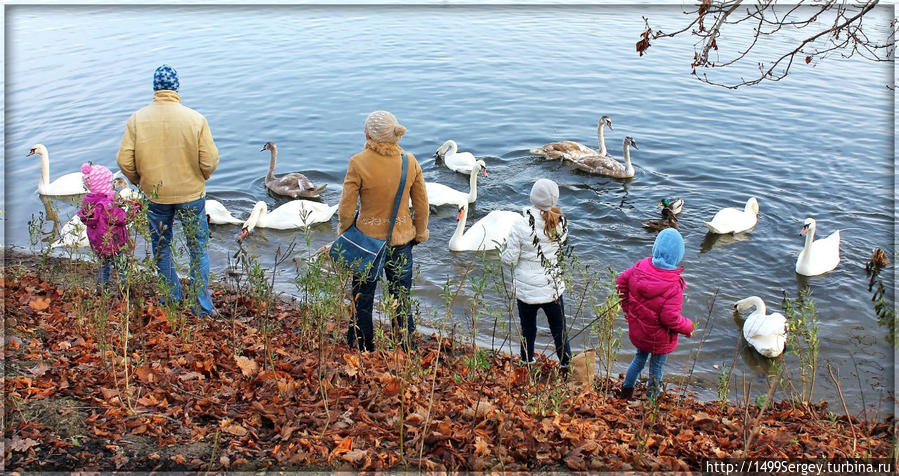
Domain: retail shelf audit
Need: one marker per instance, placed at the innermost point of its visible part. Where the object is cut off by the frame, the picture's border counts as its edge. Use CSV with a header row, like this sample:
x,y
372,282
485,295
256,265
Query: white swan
x,y
217,214
488,233
765,333
68,184
571,150
817,256
291,215
734,220
608,166
461,162
439,194
72,235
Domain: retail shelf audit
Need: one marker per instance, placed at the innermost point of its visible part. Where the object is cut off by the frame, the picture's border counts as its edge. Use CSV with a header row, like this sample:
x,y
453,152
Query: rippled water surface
x,y
499,81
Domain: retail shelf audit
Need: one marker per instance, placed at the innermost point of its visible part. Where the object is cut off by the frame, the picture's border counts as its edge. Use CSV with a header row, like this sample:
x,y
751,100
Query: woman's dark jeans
x,y
398,270
555,314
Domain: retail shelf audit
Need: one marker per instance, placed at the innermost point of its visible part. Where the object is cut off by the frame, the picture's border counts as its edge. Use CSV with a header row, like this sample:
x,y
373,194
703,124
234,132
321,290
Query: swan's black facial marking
x,y
31,152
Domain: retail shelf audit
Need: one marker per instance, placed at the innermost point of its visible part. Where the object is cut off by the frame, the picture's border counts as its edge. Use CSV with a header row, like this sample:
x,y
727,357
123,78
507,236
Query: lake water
x,y
499,81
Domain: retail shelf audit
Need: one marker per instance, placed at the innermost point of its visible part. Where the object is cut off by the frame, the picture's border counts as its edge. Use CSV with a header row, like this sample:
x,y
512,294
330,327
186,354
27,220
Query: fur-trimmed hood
x,y
384,148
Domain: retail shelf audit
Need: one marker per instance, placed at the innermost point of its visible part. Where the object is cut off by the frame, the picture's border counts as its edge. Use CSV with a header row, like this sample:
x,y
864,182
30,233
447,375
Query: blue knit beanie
x,y
165,77
668,249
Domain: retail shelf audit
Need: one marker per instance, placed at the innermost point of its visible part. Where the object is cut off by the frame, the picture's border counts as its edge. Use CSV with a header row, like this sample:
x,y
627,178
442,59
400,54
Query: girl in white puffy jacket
x,y
533,249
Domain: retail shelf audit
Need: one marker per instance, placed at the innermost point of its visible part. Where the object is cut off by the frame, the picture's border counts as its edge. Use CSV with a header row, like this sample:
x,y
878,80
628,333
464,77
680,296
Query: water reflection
x,y
712,240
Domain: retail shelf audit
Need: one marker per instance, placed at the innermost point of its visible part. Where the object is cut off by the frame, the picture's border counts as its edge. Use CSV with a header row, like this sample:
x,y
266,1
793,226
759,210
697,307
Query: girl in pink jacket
x,y
105,219
652,292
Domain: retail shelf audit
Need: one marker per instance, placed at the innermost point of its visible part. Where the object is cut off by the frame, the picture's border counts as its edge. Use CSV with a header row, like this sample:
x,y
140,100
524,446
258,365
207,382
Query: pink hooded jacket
x,y
104,218
651,298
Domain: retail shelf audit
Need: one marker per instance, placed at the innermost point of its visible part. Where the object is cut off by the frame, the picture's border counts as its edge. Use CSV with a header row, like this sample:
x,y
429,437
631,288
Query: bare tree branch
x,y
837,26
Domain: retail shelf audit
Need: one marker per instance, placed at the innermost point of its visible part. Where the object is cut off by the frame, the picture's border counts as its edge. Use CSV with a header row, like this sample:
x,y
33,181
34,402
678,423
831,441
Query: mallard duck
x,y
488,233
293,184
572,150
817,256
734,220
608,166
68,184
766,333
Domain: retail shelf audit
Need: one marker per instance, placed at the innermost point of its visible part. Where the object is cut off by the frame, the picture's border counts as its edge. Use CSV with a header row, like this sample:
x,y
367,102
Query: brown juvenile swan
x,y
605,165
293,184
572,150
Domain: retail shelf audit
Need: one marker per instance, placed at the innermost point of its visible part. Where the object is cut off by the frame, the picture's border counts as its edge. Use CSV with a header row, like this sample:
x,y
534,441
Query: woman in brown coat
x,y
372,180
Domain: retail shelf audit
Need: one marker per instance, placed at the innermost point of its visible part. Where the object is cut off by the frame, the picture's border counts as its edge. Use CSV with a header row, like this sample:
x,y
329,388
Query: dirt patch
x,y
64,416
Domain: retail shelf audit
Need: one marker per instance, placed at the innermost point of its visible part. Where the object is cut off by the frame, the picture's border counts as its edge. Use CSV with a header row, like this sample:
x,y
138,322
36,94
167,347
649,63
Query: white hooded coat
x,y
533,283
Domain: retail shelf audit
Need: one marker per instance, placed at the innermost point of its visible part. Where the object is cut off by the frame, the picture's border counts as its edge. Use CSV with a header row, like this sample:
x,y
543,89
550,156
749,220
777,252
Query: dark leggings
x,y
555,314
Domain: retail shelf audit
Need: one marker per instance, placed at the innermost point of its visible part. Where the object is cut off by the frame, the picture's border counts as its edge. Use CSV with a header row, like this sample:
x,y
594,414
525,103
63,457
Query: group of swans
x,y
816,257
592,161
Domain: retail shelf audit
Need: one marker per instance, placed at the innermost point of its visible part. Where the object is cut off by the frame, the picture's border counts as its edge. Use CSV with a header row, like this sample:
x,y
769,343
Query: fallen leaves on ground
x,y
220,395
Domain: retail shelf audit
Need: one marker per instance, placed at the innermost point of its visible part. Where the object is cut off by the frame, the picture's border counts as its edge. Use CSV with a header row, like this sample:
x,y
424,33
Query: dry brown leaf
x,y
228,426
18,444
353,456
247,367
39,303
480,447
40,369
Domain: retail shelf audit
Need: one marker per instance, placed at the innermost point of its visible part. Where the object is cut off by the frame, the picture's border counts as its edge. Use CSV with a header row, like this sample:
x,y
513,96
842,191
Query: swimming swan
x,y
817,256
293,184
72,235
606,165
571,150
291,215
68,184
488,233
439,194
456,161
217,214
734,220
767,334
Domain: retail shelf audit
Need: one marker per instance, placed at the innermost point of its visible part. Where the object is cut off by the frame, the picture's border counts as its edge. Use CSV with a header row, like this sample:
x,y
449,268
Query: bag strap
x,y
399,196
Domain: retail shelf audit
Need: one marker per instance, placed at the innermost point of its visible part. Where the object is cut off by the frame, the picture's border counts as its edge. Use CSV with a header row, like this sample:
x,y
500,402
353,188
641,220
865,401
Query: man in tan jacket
x,y
167,150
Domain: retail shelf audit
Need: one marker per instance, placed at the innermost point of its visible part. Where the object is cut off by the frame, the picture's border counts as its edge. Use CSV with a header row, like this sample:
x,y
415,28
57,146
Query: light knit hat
x,y
97,179
382,126
544,194
668,249
165,77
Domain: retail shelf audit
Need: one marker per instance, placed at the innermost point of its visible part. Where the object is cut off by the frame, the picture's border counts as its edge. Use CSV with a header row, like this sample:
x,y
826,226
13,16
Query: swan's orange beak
x,y
243,233
804,230
484,171
30,153
459,215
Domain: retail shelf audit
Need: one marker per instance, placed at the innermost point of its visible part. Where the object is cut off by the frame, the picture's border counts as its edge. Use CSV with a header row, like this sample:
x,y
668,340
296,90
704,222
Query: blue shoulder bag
x,y
361,253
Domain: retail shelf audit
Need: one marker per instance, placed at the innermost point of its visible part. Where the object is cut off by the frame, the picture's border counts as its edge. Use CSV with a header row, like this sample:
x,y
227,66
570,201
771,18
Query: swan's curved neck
x,y
271,165
628,166
473,184
452,148
759,305
45,169
809,237
602,139
258,213
460,228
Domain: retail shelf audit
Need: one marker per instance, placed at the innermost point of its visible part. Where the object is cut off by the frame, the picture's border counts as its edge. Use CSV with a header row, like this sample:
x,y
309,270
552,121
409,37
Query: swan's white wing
x,y
72,235
461,162
68,184
439,194
731,220
822,256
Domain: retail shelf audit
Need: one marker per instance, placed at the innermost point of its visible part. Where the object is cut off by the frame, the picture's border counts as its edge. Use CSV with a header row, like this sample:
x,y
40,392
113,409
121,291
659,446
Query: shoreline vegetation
x,y
113,380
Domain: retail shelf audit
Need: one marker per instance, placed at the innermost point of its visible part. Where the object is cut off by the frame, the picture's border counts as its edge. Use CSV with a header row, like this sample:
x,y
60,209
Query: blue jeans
x,y
656,365
555,315
398,270
192,216
105,271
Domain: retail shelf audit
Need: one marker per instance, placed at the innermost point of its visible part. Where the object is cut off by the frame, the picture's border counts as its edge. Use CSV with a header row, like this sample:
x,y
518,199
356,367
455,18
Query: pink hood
x,y
651,298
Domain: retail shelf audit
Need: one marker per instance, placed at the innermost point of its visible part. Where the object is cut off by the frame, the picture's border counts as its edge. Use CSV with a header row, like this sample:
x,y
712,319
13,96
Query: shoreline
x,y
275,388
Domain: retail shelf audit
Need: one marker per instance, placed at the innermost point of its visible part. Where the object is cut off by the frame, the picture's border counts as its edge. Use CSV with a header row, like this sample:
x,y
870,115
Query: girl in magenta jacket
x,y
105,219
652,292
